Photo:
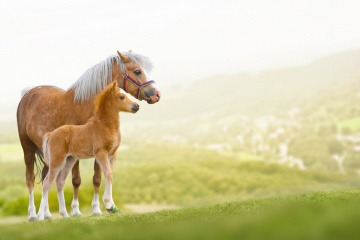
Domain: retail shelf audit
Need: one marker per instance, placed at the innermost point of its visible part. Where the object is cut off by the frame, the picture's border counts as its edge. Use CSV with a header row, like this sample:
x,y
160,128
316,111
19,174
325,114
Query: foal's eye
x,y
137,72
122,97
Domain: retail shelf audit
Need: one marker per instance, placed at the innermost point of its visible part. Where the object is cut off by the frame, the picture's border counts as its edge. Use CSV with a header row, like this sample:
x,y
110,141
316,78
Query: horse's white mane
x,y
99,76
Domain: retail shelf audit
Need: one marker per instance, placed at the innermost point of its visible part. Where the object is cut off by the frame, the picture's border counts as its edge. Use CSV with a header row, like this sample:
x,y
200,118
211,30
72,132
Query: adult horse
x,y
45,108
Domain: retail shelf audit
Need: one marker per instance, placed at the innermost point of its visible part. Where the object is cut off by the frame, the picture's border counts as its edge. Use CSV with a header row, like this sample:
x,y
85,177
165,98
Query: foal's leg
x,y
76,181
103,159
96,182
60,182
55,166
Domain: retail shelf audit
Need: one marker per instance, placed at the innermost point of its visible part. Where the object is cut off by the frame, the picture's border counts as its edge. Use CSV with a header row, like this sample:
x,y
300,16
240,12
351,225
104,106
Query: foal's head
x,y
115,98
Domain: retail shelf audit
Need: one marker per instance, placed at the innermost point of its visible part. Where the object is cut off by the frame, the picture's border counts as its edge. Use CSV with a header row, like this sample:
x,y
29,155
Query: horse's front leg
x,y
76,181
60,182
96,182
104,161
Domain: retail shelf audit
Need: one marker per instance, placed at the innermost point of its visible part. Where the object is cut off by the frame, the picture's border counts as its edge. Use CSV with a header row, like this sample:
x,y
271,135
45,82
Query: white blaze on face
x,y
147,75
122,91
148,78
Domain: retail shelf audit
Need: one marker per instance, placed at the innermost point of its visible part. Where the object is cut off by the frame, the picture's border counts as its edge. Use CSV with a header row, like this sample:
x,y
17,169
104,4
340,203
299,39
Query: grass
x,y
174,175
10,152
319,215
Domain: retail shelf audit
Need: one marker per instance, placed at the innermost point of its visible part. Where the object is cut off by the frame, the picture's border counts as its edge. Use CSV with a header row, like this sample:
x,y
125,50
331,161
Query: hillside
x,y
320,215
304,110
267,92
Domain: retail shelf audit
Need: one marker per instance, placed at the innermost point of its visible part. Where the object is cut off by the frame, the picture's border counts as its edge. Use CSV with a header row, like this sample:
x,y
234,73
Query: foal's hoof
x,y
97,214
49,218
32,219
113,209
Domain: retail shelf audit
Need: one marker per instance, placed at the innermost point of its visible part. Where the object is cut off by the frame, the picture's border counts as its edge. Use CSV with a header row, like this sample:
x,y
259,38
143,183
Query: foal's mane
x,y
99,76
102,97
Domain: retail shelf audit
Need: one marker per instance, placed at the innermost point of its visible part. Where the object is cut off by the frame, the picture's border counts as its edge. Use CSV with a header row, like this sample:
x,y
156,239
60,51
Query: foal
x,y
99,138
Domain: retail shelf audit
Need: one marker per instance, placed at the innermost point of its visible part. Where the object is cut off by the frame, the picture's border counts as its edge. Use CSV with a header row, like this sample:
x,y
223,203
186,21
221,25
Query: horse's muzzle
x,y
135,107
154,98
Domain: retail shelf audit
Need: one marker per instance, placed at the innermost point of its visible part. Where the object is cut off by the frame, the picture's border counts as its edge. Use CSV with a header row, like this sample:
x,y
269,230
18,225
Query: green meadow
x,y
319,215
278,158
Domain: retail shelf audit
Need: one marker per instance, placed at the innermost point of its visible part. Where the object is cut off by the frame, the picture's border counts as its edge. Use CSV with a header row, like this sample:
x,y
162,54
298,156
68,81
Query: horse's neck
x,y
85,108
117,74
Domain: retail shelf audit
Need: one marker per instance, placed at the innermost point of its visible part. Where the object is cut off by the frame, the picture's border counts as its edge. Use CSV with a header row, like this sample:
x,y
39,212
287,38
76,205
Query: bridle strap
x,y
138,85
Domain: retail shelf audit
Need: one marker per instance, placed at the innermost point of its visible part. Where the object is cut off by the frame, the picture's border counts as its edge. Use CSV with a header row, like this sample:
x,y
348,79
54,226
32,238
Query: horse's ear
x,y
114,85
130,51
123,57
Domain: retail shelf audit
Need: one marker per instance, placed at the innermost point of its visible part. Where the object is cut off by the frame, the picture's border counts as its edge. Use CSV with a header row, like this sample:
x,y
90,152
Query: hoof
x,y
64,215
76,215
49,218
32,219
97,214
113,209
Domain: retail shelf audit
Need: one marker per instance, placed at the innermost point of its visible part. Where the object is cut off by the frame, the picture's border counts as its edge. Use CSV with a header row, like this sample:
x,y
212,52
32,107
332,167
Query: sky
x,y
54,42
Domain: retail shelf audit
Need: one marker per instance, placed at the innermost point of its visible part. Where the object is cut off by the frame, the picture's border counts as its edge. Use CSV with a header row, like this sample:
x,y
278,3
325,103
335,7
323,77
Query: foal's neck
x,y
108,115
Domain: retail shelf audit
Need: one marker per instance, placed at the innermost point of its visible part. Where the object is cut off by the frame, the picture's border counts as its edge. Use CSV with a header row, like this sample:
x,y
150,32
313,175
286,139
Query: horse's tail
x,y
39,161
45,155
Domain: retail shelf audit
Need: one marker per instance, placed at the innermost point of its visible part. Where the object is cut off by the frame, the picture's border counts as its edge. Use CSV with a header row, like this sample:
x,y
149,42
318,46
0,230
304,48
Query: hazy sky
x,y
54,42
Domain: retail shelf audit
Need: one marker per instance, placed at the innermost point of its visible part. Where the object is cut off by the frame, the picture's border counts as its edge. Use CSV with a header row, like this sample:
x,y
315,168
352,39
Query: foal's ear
x,y
130,51
114,86
123,57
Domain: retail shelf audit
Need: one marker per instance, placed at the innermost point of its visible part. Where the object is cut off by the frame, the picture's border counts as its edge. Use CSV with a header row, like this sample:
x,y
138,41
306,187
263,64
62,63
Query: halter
x,y
138,85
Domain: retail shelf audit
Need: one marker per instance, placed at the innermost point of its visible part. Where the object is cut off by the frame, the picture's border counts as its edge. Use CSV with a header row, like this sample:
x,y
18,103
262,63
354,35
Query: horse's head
x,y
113,97
134,78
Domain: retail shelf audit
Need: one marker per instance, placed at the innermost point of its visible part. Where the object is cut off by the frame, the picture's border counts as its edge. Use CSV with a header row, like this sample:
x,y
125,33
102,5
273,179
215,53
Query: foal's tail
x,y
45,155
46,148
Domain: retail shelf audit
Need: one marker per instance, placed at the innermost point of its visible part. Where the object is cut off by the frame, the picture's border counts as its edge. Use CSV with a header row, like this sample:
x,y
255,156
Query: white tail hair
x,y
25,91
46,148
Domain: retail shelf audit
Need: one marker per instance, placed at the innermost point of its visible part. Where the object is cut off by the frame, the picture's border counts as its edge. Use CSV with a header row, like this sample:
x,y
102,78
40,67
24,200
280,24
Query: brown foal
x,y
99,138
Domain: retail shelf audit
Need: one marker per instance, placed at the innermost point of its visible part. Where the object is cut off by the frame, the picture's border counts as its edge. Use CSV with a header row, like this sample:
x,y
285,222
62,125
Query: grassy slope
x,y
320,215
189,177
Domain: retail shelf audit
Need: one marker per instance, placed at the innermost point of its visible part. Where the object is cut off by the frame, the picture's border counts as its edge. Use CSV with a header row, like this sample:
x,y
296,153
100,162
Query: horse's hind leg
x,y
60,182
96,182
76,181
29,149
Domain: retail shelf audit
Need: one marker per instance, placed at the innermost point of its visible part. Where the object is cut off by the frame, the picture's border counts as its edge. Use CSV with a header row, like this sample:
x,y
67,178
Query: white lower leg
x,y
96,204
42,208
62,205
47,214
31,209
75,211
107,197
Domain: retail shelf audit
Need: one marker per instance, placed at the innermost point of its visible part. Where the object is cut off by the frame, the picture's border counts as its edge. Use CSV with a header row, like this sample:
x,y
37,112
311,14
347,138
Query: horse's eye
x,y
122,97
137,72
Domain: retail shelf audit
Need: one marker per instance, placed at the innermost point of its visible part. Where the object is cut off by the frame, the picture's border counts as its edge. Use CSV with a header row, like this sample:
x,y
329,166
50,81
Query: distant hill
x,y
265,93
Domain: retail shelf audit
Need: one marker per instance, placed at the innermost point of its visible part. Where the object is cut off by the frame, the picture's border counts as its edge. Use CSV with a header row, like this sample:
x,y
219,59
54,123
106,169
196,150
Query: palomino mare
x,y
45,108
100,137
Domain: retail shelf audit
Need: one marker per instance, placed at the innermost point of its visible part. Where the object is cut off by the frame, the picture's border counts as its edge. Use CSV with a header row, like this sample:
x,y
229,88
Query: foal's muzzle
x,y
135,107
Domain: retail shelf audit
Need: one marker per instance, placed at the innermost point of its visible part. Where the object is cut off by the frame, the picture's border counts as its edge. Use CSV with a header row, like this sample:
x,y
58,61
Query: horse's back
x,y
33,110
